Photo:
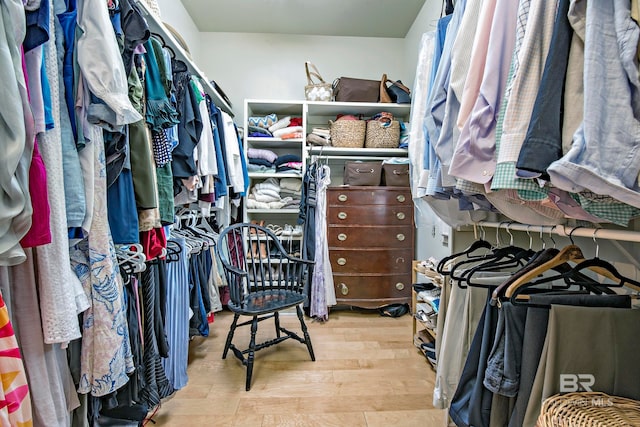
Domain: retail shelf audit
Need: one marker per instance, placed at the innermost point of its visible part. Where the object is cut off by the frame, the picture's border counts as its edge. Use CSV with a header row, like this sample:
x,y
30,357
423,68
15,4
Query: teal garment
x,y
160,114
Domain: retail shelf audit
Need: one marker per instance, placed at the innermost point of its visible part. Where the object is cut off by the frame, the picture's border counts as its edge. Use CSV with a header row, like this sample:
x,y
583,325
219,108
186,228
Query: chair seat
x,y
267,301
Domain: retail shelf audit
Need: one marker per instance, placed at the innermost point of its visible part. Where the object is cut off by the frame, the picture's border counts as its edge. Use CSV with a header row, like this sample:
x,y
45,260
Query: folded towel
x,y
260,162
263,121
285,158
325,132
292,184
260,168
294,135
315,139
259,153
269,184
252,203
282,123
259,130
289,129
267,198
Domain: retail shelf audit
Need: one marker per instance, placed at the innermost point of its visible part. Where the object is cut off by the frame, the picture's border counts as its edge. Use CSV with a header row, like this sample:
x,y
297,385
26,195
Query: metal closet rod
x,y
565,230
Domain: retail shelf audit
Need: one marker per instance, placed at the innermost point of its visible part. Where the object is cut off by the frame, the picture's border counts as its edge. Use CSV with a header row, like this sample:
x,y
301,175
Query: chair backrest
x,y
254,259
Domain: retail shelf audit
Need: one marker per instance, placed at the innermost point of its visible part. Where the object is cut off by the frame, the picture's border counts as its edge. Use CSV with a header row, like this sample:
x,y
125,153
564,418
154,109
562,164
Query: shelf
x,y
274,142
318,108
281,108
158,27
273,211
429,331
358,152
259,175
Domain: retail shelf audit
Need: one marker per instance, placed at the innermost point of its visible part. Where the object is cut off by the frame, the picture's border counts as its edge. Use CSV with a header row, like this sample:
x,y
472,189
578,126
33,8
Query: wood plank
x,y
367,373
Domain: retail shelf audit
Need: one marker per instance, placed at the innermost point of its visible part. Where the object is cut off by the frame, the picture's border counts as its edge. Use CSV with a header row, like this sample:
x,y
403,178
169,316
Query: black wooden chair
x,y
263,280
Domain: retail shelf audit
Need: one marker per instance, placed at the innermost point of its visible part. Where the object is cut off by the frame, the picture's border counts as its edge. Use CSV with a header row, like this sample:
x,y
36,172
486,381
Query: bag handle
x,y
315,73
401,86
384,95
396,83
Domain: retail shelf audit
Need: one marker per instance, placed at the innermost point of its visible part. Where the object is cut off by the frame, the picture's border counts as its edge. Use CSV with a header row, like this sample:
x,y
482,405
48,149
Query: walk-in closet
x,y
351,214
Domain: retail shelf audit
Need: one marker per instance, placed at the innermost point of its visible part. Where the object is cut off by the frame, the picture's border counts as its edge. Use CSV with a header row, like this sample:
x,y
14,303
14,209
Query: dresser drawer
x,y
368,196
364,236
372,287
381,261
370,214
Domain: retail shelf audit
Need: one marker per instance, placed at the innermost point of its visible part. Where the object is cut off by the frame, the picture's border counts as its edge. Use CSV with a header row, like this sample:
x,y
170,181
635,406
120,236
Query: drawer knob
x,y
401,198
344,289
342,215
342,237
400,237
399,286
400,260
401,215
342,261
342,197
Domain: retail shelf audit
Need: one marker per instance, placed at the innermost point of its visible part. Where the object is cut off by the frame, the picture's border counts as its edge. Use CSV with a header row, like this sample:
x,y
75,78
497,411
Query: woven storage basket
x,y
589,409
348,133
379,136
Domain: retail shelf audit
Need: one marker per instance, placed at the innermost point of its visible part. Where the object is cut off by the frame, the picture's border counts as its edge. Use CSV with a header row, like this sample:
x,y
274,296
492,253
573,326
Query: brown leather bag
x,y
349,89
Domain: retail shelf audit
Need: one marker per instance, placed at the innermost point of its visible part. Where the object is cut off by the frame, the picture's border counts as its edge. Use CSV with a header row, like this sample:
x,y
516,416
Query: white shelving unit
x,y
313,114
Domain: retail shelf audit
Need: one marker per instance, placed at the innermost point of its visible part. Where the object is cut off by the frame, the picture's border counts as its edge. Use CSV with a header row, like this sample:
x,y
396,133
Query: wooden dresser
x,y
371,244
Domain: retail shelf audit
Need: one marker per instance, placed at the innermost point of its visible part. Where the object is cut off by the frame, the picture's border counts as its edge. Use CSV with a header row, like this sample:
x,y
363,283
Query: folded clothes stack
x,y
319,136
291,188
261,160
288,163
270,126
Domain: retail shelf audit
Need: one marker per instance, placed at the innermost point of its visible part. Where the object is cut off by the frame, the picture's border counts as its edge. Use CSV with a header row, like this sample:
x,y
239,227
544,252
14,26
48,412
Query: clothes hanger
x,y
500,259
475,246
606,269
506,259
570,253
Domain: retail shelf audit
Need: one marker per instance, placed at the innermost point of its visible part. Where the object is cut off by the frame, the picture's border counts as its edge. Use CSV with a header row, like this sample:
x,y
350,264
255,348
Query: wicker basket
x,y
348,133
379,136
589,409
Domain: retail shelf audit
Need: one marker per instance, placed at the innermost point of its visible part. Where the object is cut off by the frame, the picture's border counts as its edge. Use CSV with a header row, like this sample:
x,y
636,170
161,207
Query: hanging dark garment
x,y
157,385
198,324
160,307
189,128
471,403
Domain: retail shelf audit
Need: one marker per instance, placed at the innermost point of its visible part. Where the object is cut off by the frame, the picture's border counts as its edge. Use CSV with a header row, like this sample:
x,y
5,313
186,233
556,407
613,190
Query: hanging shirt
x,y
474,159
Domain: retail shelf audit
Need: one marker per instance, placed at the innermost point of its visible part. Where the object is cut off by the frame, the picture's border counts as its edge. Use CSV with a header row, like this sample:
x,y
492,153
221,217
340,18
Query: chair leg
x,y
276,318
232,329
252,350
307,338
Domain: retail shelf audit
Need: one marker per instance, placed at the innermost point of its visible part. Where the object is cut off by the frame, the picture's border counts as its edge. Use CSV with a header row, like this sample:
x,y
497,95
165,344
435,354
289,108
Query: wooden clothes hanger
x,y
570,253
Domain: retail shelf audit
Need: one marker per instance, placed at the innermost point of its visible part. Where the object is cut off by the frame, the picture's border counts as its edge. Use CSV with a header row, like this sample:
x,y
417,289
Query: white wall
x,y
271,66
425,21
174,13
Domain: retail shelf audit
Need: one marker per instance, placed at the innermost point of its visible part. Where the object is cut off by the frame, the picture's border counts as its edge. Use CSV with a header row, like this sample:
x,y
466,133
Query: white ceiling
x,y
357,18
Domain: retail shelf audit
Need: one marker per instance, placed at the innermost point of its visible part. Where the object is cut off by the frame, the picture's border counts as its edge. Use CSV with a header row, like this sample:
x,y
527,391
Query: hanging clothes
x,y
177,318
106,353
60,316
16,408
322,294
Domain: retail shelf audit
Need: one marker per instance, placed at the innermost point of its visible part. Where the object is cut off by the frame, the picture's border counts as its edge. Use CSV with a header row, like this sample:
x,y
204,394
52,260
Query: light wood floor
x,y
367,373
